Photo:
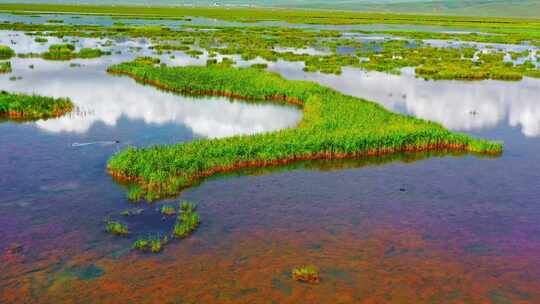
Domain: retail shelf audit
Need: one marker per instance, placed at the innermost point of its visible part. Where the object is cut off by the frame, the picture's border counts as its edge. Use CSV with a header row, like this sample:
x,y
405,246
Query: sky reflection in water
x,y
104,98
446,102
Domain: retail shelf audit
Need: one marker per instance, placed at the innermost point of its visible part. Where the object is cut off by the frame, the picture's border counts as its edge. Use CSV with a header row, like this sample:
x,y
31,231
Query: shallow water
x,y
198,21
422,228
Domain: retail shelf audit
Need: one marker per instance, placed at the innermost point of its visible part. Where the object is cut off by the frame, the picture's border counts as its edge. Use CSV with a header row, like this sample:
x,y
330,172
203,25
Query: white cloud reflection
x,y
447,102
105,98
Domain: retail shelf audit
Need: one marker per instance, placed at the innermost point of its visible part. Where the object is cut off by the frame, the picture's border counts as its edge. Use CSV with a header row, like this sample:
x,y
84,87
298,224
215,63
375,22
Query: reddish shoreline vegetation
x,y
15,106
334,126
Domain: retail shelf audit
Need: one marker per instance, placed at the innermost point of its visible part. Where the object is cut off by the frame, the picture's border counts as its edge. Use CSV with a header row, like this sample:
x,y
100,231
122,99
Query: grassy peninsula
x,y
334,125
22,106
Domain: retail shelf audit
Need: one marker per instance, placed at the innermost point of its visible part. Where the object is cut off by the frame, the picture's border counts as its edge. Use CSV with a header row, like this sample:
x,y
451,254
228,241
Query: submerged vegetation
x,y
23,106
307,274
334,125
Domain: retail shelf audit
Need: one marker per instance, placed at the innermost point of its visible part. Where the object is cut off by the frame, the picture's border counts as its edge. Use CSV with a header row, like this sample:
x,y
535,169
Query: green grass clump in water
x,y
171,47
260,66
87,53
6,52
152,244
60,52
23,106
41,40
308,274
135,193
116,228
67,52
187,221
334,125
167,210
5,67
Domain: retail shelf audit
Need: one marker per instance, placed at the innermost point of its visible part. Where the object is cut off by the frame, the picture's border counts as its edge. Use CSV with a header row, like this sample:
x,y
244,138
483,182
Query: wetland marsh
x,y
162,102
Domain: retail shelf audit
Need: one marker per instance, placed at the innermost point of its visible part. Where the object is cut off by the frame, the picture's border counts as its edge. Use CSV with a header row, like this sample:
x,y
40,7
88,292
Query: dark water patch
x,y
478,249
337,274
247,291
497,297
283,283
86,273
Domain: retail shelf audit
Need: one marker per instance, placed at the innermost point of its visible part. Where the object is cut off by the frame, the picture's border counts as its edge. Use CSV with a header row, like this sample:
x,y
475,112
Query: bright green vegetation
x,y
116,228
261,14
5,67
187,221
87,53
135,193
334,125
6,52
167,210
152,244
441,63
23,106
171,47
41,40
261,66
60,52
389,55
67,52
308,274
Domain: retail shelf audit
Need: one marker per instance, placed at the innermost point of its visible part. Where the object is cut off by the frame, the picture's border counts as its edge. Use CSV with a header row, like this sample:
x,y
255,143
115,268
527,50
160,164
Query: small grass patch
x,y
307,274
167,210
23,106
60,52
5,67
187,221
260,66
116,228
41,40
152,244
6,52
67,52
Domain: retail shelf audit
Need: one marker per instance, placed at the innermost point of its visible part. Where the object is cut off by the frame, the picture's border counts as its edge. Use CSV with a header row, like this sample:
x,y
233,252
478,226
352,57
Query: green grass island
x,y
333,126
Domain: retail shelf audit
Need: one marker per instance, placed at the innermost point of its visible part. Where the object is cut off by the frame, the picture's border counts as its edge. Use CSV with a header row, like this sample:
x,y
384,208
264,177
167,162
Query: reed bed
x,y
334,126
23,106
